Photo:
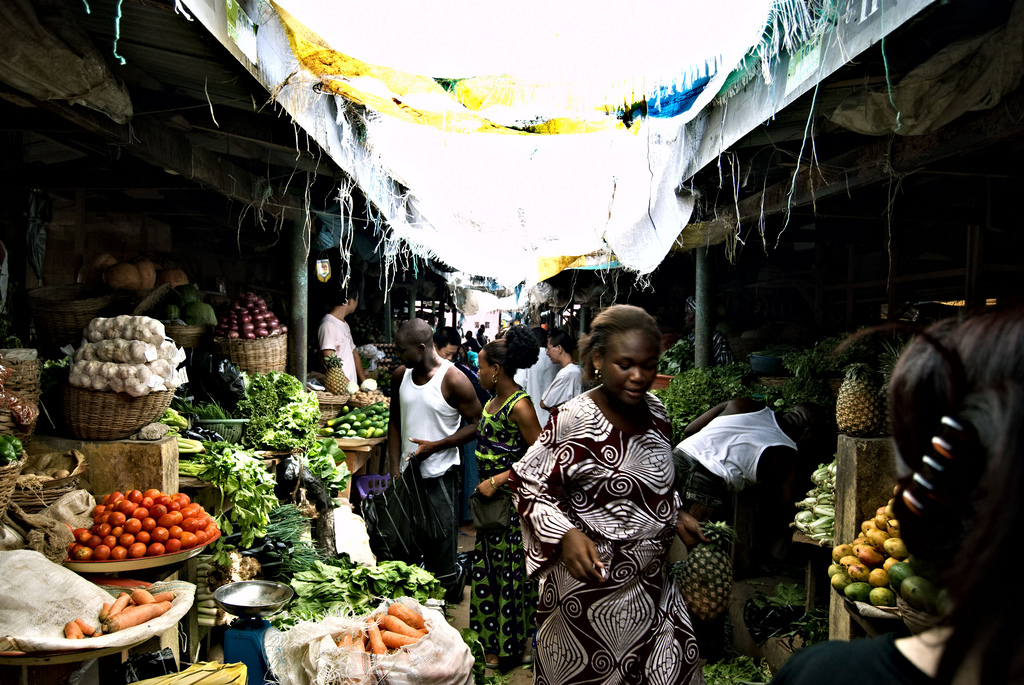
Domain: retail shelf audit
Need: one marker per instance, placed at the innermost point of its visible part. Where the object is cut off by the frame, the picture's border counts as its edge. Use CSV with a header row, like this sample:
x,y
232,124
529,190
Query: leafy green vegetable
x,y
812,627
739,671
677,358
786,594
282,415
206,411
693,392
340,585
243,481
327,461
289,526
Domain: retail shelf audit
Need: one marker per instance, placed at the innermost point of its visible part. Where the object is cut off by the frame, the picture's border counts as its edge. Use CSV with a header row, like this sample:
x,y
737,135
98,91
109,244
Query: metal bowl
x,y
253,597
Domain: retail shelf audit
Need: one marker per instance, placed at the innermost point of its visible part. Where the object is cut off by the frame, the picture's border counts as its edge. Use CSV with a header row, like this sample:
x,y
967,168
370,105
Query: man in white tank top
x,y
432,399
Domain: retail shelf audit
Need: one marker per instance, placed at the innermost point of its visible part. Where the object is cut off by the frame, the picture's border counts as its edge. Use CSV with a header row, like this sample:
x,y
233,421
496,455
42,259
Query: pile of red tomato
x,y
138,524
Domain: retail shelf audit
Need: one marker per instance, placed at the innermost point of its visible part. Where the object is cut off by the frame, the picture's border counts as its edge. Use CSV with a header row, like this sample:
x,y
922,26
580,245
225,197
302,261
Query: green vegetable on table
x,y
327,462
282,415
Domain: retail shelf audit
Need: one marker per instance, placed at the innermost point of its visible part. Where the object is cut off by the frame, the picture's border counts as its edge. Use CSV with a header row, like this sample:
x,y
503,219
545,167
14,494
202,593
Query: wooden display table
x,y
362,456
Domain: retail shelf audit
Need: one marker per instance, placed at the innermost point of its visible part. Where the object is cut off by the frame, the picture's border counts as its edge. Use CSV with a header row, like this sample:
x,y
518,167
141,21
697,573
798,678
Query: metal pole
x,y
702,323
298,331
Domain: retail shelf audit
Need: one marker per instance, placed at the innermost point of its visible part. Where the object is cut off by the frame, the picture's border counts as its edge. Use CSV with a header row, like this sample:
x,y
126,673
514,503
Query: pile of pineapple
x,y
876,567
861,406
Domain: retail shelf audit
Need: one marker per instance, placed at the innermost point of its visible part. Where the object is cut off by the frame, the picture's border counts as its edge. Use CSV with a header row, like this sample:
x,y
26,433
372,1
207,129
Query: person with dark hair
x,y
536,379
599,513
471,344
568,382
721,353
335,337
429,400
503,601
481,337
742,442
956,399
449,346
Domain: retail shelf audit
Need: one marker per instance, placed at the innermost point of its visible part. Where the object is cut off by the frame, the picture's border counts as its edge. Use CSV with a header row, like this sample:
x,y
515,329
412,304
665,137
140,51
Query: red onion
x,y
247,327
249,335
232,334
273,326
261,332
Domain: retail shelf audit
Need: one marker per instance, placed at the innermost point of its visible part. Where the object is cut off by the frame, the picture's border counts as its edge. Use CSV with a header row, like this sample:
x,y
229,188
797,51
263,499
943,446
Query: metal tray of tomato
x,y
115,566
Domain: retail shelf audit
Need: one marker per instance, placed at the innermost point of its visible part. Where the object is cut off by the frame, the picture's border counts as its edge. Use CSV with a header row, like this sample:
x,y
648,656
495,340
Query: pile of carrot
x,y
399,627
127,611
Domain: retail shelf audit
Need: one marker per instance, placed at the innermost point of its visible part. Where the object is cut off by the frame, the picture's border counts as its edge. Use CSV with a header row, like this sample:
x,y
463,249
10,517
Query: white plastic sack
x,y
307,654
37,597
351,538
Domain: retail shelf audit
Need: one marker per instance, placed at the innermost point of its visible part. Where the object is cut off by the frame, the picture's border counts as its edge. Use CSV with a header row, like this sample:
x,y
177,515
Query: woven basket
x,y
8,479
34,499
773,381
9,427
25,375
330,405
185,336
95,415
229,429
62,311
256,356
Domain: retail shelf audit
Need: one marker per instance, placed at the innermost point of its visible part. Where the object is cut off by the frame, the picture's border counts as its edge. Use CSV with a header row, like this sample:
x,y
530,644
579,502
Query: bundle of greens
x,y
339,585
816,515
693,392
282,415
288,525
677,358
243,481
741,670
327,461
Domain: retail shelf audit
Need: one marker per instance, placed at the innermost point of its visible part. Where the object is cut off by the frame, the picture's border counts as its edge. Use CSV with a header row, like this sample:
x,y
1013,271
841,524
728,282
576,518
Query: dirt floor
x,y
459,617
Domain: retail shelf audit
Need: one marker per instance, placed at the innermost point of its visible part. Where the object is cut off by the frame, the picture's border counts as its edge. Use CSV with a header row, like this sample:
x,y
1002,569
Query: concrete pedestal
x,y
120,464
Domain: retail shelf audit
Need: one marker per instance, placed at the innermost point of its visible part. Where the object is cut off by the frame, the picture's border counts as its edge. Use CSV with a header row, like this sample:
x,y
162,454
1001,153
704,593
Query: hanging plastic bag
x,y
400,520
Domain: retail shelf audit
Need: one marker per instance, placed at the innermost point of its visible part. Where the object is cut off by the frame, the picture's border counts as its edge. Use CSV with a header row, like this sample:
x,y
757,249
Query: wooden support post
x,y
298,331
851,267
702,326
974,264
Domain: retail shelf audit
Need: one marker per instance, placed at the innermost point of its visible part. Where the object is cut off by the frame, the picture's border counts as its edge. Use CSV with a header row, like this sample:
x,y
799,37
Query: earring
x,y
494,378
597,374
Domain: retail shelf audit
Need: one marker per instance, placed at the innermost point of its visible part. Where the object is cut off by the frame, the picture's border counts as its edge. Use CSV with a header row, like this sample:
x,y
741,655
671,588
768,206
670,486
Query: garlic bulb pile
x,y
127,354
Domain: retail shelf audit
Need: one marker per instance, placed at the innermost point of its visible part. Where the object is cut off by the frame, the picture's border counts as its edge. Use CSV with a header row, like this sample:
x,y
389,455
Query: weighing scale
x,y
244,640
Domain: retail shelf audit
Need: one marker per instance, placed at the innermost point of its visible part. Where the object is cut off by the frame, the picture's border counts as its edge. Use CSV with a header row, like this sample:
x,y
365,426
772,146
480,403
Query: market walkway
x,y
460,619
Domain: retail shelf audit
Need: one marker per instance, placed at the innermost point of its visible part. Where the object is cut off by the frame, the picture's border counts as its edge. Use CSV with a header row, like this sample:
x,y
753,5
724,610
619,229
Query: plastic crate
x,y
372,484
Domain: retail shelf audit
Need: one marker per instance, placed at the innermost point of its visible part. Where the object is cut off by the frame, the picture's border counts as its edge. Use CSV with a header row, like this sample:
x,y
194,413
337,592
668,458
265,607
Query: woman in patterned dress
x,y
502,600
599,513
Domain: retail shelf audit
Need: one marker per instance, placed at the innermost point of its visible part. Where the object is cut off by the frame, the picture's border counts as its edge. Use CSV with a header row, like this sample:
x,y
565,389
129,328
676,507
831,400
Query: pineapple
x,y
861,406
336,381
705,577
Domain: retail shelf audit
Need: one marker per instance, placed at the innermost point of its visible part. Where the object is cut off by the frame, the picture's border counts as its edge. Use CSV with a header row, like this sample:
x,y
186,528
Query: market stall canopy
x,y
509,144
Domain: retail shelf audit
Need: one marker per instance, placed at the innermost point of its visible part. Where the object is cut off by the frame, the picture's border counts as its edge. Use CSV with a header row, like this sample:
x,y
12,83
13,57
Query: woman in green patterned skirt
x,y
503,601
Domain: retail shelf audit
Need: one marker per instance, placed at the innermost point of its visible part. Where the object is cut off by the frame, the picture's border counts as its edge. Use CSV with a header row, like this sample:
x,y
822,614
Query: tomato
x,y
132,526
140,513
146,502
171,518
143,536
174,506
192,511
137,551
102,529
94,541
157,510
118,553
110,541
190,525
101,553
162,499
117,531
126,507
103,518
152,493
82,554
98,509
201,537
148,524
175,532
126,540
134,496
188,540
173,546
155,550
182,496
73,547
81,535
160,534
117,519
115,497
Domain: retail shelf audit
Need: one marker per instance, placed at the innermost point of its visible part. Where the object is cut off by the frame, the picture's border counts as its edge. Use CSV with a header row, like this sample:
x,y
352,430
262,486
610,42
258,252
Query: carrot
x,y
72,631
104,612
120,603
87,629
397,625
163,597
345,641
374,639
395,640
407,615
134,616
141,596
